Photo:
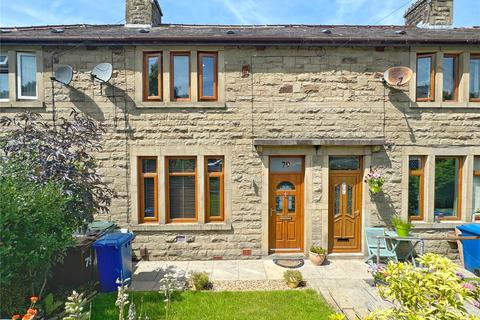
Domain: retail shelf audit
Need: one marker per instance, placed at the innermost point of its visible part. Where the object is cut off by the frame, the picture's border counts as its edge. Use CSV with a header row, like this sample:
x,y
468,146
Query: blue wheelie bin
x,y
471,248
114,259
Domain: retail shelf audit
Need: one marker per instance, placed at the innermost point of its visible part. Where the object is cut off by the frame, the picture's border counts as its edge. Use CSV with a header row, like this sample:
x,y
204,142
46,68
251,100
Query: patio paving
x,y
345,284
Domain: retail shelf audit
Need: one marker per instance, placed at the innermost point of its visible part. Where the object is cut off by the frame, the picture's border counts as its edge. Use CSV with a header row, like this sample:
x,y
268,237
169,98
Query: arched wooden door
x,y
286,205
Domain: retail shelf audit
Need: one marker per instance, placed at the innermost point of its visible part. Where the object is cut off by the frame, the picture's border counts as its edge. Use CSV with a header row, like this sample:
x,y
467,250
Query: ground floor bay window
x,y
476,187
448,174
181,189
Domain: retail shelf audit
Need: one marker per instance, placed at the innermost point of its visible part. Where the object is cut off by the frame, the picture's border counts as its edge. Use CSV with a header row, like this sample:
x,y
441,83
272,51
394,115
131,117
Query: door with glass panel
x,y
285,204
344,212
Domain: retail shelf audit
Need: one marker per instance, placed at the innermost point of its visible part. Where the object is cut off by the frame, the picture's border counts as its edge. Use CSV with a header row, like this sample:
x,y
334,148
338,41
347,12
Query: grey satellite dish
x,y
397,76
63,75
102,72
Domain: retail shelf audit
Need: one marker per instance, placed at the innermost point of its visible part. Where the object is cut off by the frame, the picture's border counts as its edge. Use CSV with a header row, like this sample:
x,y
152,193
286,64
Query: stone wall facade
x,y
430,13
290,92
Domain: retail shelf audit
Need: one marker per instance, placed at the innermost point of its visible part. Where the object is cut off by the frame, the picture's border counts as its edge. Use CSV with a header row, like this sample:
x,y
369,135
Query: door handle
x,y
271,212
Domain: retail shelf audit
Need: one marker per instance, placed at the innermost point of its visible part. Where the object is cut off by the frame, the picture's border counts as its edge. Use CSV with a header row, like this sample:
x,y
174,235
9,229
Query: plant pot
x,y
403,231
316,258
292,285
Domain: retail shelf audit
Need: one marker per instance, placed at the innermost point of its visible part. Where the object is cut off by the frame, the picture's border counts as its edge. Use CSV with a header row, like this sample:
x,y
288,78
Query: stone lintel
x,y
319,142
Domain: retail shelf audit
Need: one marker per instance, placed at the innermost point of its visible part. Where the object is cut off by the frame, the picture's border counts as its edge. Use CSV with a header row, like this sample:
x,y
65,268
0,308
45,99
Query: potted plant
x,y
317,255
293,278
374,180
402,227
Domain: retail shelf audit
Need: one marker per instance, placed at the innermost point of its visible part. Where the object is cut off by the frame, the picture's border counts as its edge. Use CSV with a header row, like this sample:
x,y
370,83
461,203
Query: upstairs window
x,y
181,189
4,90
27,75
450,77
425,77
474,78
148,193
180,76
416,182
152,72
207,76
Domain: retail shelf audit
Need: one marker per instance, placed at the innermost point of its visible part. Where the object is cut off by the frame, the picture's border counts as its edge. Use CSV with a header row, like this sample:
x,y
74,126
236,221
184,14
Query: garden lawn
x,y
288,305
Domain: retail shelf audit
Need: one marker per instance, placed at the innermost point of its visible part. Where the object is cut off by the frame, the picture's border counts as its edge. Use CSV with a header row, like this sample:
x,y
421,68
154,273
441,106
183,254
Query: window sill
x,y
22,104
449,224
445,105
181,227
181,105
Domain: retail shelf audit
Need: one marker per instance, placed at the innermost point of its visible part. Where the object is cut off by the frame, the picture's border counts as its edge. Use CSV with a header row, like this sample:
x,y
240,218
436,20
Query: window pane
x,y
475,78
182,197
415,163
28,76
286,164
3,77
344,163
181,165
149,197
285,185
291,204
446,186
476,193
279,204
153,76
214,188
476,164
181,77
215,165
149,165
449,78
208,76
414,196
424,65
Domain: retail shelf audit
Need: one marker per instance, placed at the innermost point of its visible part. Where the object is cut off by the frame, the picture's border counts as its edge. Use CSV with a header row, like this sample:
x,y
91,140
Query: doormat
x,y
289,263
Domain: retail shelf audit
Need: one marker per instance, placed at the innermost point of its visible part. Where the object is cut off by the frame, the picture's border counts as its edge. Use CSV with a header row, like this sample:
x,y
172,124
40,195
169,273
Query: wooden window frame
x,y
476,173
220,175
141,190
432,77
168,174
419,173
456,74
459,186
201,97
473,57
173,54
146,56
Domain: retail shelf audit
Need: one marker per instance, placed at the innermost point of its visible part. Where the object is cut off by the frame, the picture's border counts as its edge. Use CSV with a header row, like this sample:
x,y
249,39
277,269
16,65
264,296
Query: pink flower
x,y
469,286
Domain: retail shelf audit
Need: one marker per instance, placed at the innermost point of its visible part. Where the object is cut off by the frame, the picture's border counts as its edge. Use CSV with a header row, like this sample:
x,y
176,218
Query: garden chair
x,y
372,244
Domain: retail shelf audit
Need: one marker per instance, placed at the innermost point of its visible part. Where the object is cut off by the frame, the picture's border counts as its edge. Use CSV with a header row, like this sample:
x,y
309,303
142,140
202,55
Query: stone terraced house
x,y
229,142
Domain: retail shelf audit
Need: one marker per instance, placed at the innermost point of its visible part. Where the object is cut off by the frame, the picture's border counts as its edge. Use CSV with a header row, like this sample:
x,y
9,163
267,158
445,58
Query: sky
x,y
371,12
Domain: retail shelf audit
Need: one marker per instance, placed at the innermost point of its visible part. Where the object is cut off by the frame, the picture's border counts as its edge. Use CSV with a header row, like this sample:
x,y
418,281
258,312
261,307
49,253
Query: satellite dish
x,y
63,75
102,72
397,76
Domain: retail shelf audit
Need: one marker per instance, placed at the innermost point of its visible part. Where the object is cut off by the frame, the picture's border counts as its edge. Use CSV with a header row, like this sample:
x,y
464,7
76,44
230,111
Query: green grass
x,y
288,305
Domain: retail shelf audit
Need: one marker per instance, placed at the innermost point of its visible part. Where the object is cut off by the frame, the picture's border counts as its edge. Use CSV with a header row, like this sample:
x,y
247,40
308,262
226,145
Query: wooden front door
x,y
344,213
286,205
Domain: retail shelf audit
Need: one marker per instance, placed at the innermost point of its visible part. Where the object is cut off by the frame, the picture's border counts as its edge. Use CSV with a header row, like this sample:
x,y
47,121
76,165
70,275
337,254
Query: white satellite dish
x,y
397,76
102,72
63,75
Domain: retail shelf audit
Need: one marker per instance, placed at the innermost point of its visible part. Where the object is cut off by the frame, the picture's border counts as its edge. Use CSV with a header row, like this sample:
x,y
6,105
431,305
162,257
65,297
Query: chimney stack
x,y
142,13
430,13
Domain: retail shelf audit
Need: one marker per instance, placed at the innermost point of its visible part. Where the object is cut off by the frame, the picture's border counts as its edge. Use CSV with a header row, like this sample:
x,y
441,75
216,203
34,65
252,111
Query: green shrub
x,y
34,233
433,292
317,250
399,222
293,277
200,280
337,316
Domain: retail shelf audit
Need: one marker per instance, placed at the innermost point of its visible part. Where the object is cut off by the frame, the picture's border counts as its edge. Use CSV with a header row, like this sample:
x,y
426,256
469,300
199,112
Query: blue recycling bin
x,y
471,248
114,259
